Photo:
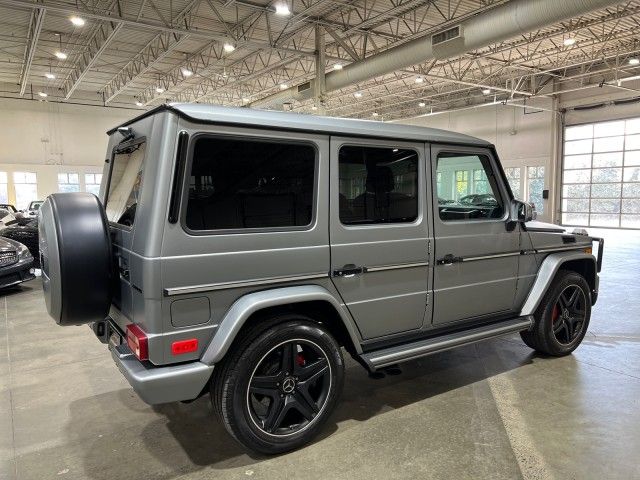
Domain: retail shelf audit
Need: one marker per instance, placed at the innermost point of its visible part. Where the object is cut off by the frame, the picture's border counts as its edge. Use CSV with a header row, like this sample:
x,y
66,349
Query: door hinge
x,y
429,247
428,294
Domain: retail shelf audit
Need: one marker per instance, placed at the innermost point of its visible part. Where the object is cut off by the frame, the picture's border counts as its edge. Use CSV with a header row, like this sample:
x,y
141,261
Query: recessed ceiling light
x,y
419,79
634,61
159,89
186,72
358,94
422,104
42,94
283,86
486,91
282,9
77,21
229,47
139,104
395,150
337,66
313,107
374,114
50,76
569,41
246,99
61,55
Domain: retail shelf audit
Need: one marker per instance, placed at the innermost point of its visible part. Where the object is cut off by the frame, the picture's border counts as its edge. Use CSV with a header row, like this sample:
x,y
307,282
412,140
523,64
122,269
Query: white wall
x,y
48,138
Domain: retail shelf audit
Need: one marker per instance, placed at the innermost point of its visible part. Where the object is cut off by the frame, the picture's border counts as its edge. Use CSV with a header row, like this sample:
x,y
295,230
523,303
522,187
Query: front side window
x,y
245,183
457,199
377,185
68,182
26,185
125,185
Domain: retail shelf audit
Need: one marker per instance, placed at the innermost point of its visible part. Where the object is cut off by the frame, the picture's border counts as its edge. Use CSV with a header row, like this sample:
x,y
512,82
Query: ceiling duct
x,y
500,23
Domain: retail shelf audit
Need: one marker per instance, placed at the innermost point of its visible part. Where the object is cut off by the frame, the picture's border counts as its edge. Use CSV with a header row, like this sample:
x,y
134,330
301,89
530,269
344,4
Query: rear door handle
x,y
449,259
349,271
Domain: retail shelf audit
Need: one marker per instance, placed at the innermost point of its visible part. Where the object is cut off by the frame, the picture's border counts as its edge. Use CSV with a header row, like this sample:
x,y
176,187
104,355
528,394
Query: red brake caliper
x,y
555,314
300,360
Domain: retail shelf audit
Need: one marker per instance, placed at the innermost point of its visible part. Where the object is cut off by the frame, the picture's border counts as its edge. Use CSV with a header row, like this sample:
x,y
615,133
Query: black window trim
x,y
184,197
119,148
388,144
498,173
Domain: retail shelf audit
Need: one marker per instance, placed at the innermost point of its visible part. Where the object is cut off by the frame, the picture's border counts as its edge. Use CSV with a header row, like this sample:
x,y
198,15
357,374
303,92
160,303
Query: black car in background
x,y
24,231
16,263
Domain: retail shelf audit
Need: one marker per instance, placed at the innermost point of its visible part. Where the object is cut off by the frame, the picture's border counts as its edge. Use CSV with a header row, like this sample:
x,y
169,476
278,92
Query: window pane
x,y
242,183
4,193
604,220
577,176
378,185
536,186
633,126
95,189
632,158
580,219
89,178
575,191
578,147
62,178
631,205
98,177
575,205
630,221
455,202
577,161
632,174
612,159
3,177
602,175
68,187
513,177
578,132
632,142
30,177
605,206
25,194
630,190
608,144
605,190
126,184
73,178
608,129
18,177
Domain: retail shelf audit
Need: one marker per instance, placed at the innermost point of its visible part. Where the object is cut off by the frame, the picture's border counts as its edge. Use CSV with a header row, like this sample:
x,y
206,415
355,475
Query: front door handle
x,y
449,259
348,271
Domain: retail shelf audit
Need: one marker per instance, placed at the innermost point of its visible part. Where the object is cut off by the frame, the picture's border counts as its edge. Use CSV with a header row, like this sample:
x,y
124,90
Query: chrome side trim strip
x,y
397,266
496,255
169,292
562,249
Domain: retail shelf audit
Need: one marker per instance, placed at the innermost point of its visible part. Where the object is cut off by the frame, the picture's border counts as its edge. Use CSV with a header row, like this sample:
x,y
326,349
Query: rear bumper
x,y
161,384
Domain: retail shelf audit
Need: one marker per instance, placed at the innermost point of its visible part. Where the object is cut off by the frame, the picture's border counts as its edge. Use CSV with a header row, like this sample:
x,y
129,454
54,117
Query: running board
x,y
422,348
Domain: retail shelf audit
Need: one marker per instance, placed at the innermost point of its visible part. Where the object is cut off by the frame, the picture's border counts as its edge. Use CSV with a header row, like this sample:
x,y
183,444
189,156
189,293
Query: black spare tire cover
x,y
75,257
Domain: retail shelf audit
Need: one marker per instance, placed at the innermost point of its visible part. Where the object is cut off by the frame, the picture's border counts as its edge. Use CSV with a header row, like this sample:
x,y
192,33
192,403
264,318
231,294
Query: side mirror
x,y
520,212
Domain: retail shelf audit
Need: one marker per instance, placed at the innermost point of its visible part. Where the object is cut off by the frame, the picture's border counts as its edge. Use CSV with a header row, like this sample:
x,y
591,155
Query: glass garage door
x,y
601,175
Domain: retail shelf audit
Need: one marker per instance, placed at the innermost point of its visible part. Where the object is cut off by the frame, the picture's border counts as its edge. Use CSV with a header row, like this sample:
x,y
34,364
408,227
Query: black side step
x,y
421,348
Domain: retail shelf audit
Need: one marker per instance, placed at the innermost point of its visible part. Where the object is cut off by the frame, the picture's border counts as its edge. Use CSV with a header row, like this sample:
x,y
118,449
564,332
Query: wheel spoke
x,y
558,326
265,385
310,372
301,404
288,357
277,411
573,298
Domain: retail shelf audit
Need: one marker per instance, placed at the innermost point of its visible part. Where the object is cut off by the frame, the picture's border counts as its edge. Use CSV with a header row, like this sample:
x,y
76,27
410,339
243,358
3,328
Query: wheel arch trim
x,y
254,302
547,272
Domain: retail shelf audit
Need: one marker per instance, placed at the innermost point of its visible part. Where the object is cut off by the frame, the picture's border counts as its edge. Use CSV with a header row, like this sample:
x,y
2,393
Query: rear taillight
x,y
137,341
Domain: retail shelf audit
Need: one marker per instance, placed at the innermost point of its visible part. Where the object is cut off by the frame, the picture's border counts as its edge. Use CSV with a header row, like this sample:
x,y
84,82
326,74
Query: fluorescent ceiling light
x,y
246,99
61,55
569,41
282,9
139,104
159,89
42,94
358,94
422,104
186,72
419,79
77,21
634,61
229,47
337,66
283,86
486,91
374,114
50,76
313,107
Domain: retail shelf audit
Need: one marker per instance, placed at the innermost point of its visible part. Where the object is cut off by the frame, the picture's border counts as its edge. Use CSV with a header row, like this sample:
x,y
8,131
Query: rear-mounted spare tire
x,y
75,257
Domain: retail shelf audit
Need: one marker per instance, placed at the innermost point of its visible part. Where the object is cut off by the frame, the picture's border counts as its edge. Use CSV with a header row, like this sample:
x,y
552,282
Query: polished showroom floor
x,y
494,410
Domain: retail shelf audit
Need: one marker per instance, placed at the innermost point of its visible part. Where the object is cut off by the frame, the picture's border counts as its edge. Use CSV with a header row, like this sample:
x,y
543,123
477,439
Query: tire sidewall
x,y
236,385
546,314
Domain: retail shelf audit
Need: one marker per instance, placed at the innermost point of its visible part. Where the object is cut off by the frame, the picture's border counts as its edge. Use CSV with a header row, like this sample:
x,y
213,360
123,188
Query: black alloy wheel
x,y
289,387
569,314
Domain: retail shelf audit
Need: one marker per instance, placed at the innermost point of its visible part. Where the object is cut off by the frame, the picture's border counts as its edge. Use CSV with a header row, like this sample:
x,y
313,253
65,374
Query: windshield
x,y
35,205
125,184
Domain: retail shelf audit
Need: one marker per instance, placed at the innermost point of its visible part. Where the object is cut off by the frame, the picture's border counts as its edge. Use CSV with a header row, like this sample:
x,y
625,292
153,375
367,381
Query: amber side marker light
x,y
137,341
588,250
184,346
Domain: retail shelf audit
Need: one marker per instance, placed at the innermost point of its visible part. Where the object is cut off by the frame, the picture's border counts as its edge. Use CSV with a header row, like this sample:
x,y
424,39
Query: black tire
x,y
562,318
264,346
75,258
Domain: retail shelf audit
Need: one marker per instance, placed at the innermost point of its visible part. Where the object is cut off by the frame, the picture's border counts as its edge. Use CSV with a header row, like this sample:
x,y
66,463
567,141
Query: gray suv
x,y
238,253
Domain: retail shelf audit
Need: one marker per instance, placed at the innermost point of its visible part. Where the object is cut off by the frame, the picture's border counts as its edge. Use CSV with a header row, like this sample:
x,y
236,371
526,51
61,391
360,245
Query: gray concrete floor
x,y
493,410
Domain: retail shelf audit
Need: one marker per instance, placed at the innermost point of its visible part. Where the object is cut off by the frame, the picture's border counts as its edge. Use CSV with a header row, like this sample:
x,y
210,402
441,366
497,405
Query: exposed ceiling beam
x,y
35,27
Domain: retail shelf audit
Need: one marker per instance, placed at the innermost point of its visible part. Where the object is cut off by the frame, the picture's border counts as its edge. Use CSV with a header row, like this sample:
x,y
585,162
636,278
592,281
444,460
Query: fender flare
x,y
245,306
550,266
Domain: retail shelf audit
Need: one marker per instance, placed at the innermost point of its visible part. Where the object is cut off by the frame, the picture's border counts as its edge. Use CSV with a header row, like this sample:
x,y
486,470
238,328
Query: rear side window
x,y
237,183
125,184
377,185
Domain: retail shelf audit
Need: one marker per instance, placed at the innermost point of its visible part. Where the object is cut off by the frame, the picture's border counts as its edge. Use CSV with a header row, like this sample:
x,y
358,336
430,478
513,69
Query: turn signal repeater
x,y
137,341
588,250
184,346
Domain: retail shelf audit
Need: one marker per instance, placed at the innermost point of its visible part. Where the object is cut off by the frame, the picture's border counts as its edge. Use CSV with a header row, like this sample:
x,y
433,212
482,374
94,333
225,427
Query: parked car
x,y
25,231
16,263
256,244
10,208
31,211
